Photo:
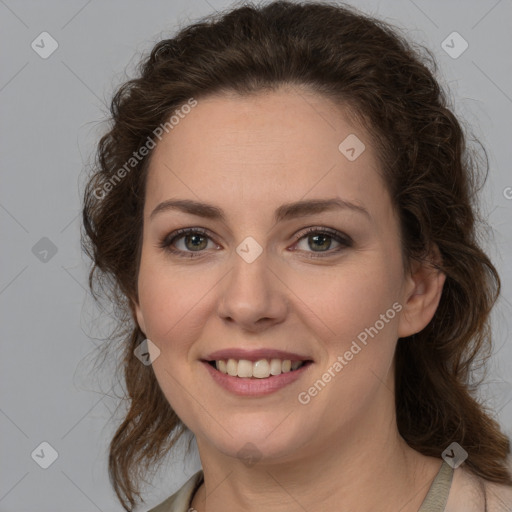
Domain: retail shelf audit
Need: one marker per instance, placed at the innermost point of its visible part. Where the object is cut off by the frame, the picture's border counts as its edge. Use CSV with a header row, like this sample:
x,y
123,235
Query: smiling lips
x,y
260,369
256,372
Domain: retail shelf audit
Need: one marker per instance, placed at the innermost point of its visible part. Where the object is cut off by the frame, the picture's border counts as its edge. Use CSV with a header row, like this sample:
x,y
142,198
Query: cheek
x,y
173,308
346,300
361,310
171,302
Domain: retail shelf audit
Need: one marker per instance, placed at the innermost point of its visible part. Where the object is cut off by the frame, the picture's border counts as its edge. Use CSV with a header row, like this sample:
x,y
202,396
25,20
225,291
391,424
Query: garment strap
x,y
437,496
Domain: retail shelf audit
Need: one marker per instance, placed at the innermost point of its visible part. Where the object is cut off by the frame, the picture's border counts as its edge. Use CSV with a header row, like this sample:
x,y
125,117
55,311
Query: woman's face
x,y
254,287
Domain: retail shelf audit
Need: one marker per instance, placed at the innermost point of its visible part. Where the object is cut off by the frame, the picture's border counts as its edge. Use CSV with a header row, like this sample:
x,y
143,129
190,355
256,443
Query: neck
x,y
366,467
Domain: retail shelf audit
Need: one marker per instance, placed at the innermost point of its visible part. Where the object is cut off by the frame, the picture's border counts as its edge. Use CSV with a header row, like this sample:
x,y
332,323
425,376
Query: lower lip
x,y
252,386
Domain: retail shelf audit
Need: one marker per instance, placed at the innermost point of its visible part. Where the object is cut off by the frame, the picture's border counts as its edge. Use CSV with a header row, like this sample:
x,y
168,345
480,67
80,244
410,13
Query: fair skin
x,y
248,156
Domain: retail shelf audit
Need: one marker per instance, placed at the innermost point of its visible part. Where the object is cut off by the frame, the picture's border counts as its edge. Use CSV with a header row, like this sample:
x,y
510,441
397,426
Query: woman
x,y
283,209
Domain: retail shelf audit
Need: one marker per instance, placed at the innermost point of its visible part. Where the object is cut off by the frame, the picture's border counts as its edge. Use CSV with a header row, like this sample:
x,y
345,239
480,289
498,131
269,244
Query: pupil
x,y
195,237
325,237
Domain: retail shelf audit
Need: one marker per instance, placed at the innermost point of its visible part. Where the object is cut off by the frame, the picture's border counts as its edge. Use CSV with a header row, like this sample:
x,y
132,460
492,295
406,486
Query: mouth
x,y
255,372
262,368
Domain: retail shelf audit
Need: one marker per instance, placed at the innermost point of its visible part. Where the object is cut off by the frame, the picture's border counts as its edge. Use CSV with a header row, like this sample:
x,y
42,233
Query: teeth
x,y
244,368
276,366
231,367
260,369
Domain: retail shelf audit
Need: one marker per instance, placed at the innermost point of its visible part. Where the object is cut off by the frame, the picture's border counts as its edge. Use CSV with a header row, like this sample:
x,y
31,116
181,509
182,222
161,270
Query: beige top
x,y
468,498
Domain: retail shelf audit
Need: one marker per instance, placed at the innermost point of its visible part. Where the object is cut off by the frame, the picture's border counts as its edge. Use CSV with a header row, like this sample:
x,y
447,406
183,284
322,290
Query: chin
x,y
254,440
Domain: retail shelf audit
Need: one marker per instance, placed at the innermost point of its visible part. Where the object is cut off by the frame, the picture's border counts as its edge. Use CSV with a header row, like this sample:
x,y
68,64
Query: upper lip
x,y
255,355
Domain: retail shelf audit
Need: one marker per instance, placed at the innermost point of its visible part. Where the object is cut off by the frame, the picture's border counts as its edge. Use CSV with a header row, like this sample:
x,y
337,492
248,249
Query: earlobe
x,y
424,290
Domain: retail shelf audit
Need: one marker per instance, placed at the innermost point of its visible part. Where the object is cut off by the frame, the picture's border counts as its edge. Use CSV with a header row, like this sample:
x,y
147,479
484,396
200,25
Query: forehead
x,y
267,148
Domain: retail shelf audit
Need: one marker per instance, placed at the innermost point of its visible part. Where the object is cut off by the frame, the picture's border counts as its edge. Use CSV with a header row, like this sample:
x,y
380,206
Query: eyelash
x,y
344,240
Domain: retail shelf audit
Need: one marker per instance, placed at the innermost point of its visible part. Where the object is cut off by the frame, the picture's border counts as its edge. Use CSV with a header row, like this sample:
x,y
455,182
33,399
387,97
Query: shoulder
x,y
470,493
499,497
180,500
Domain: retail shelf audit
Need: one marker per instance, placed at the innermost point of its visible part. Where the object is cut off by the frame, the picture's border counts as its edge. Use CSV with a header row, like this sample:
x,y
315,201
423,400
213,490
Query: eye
x,y
195,240
321,238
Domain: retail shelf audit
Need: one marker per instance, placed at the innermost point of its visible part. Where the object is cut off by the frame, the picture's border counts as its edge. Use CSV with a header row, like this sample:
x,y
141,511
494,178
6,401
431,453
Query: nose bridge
x,y
252,291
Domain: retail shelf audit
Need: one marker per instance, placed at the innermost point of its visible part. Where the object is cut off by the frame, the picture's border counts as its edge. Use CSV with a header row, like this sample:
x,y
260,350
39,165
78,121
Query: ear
x,y
422,294
137,314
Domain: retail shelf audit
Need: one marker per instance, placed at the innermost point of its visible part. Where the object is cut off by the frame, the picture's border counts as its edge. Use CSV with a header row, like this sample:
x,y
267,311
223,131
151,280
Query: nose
x,y
252,297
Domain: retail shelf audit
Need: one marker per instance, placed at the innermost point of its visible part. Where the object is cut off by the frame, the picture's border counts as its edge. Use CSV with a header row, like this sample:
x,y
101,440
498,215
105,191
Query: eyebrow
x,y
284,212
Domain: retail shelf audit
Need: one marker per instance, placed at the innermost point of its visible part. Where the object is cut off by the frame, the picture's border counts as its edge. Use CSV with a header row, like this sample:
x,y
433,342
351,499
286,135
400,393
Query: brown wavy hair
x,y
389,86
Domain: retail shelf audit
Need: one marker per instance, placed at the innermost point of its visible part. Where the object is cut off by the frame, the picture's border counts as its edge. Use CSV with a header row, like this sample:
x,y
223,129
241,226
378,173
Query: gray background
x,y
51,117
